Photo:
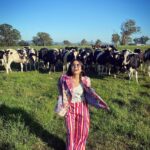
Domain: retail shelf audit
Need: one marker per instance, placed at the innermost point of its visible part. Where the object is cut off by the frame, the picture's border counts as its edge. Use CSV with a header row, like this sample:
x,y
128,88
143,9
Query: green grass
x,y
28,121
143,47
62,46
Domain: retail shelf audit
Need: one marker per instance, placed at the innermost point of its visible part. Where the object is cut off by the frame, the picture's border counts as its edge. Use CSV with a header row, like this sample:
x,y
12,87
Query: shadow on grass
x,y
120,102
96,76
145,94
35,128
7,146
147,85
43,71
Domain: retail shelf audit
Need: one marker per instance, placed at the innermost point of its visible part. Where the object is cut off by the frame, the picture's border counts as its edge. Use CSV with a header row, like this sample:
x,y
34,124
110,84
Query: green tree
x,y
36,40
8,35
141,40
42,39
115,38
136,40
66,42
127,29
144,39
98,42
84,42
23,43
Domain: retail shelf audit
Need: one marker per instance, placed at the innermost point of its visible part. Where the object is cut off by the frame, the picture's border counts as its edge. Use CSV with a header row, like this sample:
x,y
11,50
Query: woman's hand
x,y
107,108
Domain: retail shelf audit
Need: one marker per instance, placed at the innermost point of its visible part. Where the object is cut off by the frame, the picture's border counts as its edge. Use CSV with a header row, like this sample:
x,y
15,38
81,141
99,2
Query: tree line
x,y
128,28
10,36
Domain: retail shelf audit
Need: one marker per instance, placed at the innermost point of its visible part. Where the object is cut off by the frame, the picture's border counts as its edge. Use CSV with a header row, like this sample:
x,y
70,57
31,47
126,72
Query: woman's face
x,y
76,67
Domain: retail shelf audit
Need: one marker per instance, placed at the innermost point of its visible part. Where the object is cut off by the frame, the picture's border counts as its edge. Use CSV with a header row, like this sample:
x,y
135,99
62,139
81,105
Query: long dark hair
x,y
69,71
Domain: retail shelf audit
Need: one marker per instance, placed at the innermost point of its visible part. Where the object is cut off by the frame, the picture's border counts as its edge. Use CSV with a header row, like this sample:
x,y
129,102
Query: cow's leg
x,y
115,76
21,65
144,67
99,69
68,65
38,64
26,66
148,70
7,68
130,74
54,66
102,69
30,63
34,65
2,62
49,67
136,76
64,68
105,70
96,68
141,66
109,70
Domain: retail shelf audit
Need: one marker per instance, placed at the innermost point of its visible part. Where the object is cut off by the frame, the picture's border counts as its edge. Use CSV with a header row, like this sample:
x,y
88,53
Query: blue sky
x,y
74,20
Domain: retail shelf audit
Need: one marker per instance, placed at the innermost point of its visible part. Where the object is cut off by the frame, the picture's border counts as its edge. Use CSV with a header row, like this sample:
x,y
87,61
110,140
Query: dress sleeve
x,y
59,86
88,82
61,89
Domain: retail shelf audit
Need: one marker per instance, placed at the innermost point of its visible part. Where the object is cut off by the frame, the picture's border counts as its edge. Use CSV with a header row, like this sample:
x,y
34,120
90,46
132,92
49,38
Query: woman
x,y
76,93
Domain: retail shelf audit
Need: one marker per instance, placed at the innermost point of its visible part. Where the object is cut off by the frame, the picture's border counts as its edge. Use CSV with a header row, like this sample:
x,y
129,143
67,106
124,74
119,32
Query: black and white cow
x,y
86,57
2,53
96,55
11,56
104,61
42,57
117,60
32,56
49,58
146,59
68,56
141,55
131,62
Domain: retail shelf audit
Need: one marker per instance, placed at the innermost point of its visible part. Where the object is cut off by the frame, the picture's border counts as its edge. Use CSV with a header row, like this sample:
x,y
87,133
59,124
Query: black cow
x,y
104,62
42,57
146,59
49,57
141,55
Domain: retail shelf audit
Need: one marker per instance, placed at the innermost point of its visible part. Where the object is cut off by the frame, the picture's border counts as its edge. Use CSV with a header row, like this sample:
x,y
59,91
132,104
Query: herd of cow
x,y
103,60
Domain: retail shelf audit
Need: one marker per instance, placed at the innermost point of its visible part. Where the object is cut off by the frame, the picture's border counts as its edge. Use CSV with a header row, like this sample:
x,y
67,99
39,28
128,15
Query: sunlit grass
x,y
28,121
119,47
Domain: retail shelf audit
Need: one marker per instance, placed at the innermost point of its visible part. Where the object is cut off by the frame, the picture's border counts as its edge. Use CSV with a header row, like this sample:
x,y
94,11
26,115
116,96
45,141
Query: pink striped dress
x,y
77,118
77,121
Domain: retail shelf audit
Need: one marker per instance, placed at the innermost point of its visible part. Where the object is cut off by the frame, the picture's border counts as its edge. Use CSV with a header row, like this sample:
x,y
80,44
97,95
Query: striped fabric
x,y
77,123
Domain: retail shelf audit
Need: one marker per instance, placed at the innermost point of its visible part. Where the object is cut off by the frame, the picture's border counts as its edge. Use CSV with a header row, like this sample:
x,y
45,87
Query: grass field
x,y
143,48
28,121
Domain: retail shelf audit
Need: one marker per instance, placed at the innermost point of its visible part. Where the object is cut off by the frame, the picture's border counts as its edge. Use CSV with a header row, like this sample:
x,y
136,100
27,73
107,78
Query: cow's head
x,y
125,54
